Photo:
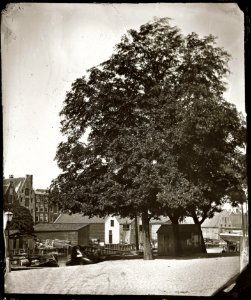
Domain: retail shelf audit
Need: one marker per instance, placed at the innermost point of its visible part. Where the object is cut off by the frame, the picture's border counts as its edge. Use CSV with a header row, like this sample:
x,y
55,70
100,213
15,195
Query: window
x,y
112,223
36,218
140,228
46,208
27,192
126,227
41,217
26,201
37,208
46,218
41,208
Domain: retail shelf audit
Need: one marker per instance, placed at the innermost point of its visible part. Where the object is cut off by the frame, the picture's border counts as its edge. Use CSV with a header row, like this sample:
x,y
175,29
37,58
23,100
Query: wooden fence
x,y
107,249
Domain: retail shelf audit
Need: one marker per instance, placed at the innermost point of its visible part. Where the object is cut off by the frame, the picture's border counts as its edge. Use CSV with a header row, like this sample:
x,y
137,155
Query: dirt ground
x,y
194,277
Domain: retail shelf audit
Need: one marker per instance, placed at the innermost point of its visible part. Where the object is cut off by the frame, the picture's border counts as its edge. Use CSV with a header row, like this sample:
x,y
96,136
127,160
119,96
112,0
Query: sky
x,y
45,47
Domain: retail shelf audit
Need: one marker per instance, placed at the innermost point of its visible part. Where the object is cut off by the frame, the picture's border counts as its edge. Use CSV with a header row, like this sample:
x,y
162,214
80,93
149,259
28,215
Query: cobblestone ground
x,y
197,277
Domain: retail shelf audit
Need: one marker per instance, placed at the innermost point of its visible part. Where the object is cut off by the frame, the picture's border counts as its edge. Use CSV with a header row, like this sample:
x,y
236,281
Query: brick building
x,y
21,189
44,211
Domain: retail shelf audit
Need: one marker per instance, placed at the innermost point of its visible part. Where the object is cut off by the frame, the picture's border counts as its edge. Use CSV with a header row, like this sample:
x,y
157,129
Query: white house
x,y
112,230
123,230
118,230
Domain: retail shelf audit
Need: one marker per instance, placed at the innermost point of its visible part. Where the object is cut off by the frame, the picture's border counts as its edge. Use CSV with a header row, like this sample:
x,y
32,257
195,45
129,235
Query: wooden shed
x,y
188,235
96,224
77,234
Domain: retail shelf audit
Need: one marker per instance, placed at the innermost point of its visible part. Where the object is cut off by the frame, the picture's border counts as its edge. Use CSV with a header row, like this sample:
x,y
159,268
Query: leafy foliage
x,y
162,138
22,219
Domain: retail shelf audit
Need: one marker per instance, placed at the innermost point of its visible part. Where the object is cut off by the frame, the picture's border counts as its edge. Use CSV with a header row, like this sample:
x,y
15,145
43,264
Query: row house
x,y
44,211
9,193
21,189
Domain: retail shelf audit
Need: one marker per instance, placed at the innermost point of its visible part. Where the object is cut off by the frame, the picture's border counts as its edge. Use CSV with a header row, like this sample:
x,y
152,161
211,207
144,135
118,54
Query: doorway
x,y
110,236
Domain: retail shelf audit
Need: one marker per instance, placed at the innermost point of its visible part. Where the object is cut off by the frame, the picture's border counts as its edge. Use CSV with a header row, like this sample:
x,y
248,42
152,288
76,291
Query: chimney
x,y
11,176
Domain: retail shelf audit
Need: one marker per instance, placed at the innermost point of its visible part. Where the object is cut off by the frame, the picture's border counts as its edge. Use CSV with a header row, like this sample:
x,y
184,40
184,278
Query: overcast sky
x,y
45,47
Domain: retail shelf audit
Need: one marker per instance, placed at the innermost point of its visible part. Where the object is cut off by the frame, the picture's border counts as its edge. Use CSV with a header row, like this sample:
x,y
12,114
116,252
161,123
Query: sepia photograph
x,y
124,149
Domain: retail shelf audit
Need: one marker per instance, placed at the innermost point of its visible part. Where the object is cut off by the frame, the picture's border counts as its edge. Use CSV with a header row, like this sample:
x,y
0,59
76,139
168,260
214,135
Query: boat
x,y
22,262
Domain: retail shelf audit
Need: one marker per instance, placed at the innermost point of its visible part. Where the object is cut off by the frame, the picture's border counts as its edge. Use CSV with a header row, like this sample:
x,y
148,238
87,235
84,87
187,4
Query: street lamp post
x,y
8,216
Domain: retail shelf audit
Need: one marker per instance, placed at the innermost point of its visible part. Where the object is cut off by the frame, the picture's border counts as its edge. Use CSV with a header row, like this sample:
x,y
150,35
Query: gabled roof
x,y
124,220
182,227
215,220
160,220
16,182
188,220
41,191
5,188
78,218
57,227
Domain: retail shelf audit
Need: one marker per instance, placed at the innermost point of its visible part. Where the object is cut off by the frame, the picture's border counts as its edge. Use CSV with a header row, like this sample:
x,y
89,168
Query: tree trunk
x,y
136,233
203,245
146,237
176,234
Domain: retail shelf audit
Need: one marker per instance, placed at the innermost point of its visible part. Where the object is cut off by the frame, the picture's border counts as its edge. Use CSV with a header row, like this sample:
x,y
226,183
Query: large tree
x,y
160,138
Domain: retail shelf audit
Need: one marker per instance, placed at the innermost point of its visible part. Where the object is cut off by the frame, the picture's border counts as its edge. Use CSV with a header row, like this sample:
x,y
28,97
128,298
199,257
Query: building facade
x,y
21,189
96,225
9,194
211,228
75,234
45,212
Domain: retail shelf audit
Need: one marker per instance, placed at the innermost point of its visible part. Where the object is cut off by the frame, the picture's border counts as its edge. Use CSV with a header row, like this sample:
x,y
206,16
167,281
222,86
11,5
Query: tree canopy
x,y
22,219
162,139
